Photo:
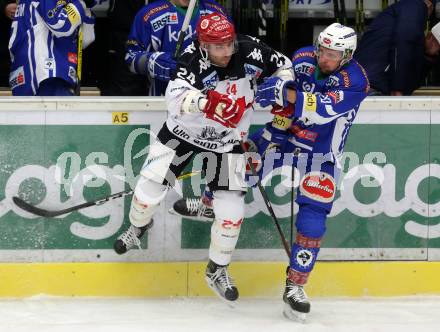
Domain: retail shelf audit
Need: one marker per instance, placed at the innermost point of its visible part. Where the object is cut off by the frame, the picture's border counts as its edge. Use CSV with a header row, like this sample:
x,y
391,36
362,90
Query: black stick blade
x,y
46,213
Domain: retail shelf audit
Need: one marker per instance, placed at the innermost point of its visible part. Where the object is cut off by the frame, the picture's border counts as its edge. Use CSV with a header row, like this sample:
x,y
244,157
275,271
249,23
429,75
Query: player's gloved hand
x,y
273,91
91,3
224,108
161,65
286,112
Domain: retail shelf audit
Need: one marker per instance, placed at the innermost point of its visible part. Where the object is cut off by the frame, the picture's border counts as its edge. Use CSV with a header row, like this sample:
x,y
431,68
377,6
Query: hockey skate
x,y
130,238
296,304
193,208
221,283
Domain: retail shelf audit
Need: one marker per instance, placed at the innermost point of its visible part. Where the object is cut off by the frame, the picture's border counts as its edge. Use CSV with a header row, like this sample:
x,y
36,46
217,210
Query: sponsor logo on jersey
x,y
303,54
16,78
304,133
173,19
204,64
211,80
310,102
256,55
49,64
345,78
305,68
72,57
160,22
252,70
228,224
154,11
318,186
72,14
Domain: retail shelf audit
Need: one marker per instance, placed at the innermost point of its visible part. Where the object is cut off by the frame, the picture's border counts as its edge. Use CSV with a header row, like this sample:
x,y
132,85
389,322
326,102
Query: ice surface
x,y
46,314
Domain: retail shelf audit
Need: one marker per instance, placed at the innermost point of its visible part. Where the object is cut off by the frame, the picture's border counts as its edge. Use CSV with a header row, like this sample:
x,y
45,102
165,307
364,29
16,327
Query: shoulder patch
x,y
155,10
303,54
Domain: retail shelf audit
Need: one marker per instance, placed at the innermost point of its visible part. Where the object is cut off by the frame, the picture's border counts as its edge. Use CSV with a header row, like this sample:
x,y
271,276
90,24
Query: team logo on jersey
x,y
336,96
72,73
16,78
49,64
256,55
72,57
211,80
210,134
304,258
252,70
318,186
332,81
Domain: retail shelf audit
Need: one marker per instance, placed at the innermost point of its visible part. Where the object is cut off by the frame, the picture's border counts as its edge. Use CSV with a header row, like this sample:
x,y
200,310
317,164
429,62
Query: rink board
x,y
254,279
60,152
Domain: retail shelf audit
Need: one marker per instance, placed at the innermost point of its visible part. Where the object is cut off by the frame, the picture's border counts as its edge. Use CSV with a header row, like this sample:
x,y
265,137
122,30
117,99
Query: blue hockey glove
x,y
273,91
161,65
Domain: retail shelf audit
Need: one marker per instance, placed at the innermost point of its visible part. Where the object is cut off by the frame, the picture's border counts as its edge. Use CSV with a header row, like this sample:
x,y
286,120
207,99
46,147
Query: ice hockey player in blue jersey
x,y
153,38
313,115
44,45
324,98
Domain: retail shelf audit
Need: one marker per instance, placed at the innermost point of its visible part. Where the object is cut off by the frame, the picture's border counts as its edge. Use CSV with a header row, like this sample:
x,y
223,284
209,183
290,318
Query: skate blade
x,y
293,315
230,304
197,218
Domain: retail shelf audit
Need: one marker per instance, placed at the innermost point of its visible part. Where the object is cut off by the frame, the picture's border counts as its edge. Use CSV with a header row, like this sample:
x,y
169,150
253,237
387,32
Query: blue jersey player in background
x,y
153,38
44,46
313,116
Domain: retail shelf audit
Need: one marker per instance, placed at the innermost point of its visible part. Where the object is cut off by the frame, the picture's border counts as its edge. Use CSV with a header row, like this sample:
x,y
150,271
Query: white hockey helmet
x,y
340,38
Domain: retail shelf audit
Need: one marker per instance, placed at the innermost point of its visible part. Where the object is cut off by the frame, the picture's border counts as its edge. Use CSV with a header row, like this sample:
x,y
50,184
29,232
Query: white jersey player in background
x,y
210,104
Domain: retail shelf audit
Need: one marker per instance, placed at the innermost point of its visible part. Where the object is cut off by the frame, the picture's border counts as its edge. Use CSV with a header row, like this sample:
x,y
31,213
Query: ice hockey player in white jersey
x,y
210,105
44,46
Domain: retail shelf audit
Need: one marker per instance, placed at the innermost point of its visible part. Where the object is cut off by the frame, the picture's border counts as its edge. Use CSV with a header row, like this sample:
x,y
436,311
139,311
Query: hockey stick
x,y
185,25
267,201
55,213
292,197
79,61
343,13
336,11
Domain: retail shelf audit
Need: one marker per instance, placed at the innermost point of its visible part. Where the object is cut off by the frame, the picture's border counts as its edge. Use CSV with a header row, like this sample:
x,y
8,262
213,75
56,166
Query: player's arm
x,y
63,19
186,94
140,57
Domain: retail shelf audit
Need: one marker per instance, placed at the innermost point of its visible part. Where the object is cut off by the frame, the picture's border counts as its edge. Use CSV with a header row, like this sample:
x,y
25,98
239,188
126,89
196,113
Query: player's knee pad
x,y
156,166
310,221
310,226
146,198
229,213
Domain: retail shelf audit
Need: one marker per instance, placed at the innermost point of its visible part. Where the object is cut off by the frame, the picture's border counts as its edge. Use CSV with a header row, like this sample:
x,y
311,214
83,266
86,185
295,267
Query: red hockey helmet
x,y
215,28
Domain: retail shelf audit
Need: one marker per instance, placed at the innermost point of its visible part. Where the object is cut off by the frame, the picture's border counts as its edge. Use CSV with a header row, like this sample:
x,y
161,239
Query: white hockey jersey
x,y
252,62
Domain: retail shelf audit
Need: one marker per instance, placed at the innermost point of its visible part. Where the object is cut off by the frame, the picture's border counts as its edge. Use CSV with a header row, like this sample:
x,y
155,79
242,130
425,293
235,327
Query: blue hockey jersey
x,y
156,28
44,42
325,106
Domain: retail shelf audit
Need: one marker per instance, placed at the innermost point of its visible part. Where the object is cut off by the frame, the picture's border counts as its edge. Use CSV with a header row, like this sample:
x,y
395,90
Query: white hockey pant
x,y
150,191
229,213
